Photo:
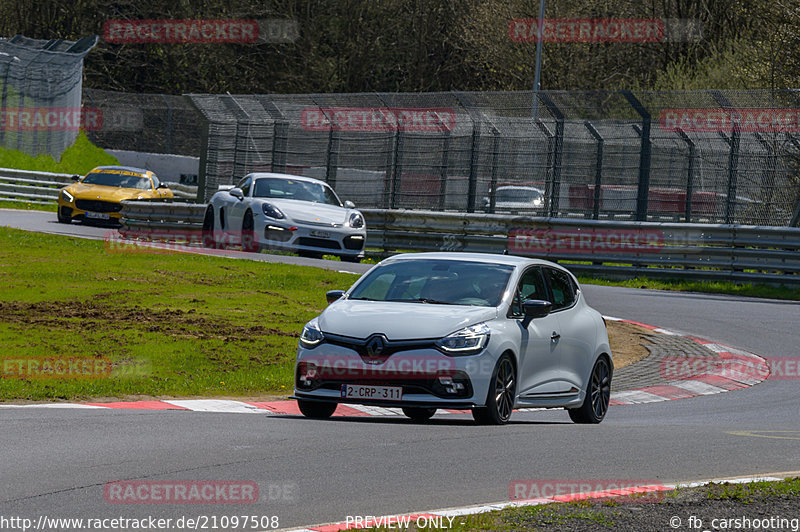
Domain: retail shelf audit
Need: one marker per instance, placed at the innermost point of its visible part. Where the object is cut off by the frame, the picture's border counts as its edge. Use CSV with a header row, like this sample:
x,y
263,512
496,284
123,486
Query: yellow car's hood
x,y
104,193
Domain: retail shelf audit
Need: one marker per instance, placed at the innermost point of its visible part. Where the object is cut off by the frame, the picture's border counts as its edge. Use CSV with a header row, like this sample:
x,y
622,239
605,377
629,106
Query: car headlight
x,y
66,196
467,341
356,220
271,211
311,335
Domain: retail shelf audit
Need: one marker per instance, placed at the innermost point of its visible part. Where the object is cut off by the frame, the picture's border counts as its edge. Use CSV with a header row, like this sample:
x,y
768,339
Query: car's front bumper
x,y
419,372
70,210
323,239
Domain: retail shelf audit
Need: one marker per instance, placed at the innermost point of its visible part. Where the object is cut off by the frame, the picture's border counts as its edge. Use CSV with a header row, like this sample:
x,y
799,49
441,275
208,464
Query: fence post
x,y
558,148
169,124
443,170
598,170
397,147
332,162
472,185
495,162
642,194
689,176
733,155
548,183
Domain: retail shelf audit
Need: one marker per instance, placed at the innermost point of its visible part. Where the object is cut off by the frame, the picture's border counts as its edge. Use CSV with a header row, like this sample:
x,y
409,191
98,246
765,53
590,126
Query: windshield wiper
x,y
423,300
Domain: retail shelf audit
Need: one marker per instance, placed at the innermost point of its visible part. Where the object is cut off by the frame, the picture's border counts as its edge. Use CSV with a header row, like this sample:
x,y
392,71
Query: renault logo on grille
x,y
375,346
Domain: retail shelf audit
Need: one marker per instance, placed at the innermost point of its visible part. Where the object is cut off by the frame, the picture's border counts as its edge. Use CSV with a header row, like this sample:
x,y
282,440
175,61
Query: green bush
x,y
79,158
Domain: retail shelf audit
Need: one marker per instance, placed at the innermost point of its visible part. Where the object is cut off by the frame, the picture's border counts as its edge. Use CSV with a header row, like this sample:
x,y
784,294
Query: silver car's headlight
x,y
271,211
467,341
356,221
66,196
311,335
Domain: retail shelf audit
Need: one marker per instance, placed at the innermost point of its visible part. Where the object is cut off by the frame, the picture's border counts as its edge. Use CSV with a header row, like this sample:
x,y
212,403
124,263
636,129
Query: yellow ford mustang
x,y
98,195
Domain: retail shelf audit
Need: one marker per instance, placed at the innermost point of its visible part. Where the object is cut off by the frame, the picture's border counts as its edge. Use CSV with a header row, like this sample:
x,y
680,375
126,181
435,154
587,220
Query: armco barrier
x,y
42,187
608,248
31,187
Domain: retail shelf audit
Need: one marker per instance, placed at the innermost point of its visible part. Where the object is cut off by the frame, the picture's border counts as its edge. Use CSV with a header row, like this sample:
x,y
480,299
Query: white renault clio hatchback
x,y
489,333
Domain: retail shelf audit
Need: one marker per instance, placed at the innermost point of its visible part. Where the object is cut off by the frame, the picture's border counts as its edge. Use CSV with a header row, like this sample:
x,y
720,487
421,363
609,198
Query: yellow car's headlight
x,y
66,196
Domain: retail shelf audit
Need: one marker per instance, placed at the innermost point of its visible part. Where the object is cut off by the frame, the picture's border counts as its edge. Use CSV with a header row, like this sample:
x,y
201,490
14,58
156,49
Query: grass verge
x,y
716,506
169,324
79,158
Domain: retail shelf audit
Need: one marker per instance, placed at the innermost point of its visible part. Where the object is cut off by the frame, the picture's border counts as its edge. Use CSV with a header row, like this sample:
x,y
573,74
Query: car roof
x,y
491,258
125,168
259,175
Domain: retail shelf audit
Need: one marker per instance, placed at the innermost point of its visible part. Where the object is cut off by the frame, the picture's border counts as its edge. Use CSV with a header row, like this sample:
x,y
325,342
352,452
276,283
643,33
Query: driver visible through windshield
x,y
437,282
270,187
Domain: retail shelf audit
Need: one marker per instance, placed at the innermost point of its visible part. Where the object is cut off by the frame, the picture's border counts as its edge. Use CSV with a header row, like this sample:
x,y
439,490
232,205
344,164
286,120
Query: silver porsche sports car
x,y
287,212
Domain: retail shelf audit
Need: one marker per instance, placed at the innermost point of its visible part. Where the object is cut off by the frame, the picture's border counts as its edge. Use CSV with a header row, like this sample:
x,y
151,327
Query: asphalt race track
x,y
55,461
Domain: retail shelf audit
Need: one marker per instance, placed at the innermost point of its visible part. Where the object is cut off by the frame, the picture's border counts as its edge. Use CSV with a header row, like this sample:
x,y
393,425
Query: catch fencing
x,y
618,249
40,94
689,156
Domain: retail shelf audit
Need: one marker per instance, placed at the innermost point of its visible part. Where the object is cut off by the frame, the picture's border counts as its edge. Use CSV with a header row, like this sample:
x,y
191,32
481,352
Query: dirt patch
x,y
628,343
95,315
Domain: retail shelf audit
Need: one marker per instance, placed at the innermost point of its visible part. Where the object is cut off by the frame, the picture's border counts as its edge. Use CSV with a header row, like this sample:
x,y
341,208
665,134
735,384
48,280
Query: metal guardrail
x,y
42,187
606,248
31,187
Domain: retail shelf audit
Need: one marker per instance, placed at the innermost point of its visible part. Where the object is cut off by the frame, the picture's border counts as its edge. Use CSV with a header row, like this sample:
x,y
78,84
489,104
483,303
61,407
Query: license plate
x,y
381,393
97,215
319,234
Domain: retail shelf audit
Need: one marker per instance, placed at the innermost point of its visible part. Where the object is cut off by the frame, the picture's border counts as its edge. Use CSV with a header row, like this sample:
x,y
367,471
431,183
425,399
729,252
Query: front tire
x,y
63,219
208,229
502,392
249,242
598,395
316,409
419,414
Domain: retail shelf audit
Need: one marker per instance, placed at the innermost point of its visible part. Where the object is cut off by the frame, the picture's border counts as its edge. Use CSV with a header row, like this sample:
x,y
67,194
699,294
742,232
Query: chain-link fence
x,y
150,123
699,156
40,94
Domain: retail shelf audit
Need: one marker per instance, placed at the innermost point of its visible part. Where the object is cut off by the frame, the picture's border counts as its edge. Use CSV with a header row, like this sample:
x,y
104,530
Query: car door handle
x,y
555,336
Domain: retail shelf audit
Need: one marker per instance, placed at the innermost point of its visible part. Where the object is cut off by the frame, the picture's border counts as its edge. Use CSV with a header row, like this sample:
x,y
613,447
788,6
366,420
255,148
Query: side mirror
x,y
76,178
349,205
534,308
333,295
162,185
236,193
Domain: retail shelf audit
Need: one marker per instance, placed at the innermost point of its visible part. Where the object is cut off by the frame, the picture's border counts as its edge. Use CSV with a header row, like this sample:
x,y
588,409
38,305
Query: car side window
x,y
531,286
244,184
562,288
156,182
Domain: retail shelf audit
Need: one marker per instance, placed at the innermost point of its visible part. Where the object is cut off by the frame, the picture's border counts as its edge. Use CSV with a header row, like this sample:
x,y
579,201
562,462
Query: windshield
x,y
436,281
118,178
518,195
275,187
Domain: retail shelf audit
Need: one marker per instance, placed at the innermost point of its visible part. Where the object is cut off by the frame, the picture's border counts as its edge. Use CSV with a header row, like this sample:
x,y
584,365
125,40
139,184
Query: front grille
x,y
98,206
354,242
318,243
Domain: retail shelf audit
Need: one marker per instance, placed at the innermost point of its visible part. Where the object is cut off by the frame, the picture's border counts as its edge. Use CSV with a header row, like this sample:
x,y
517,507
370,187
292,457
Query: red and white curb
x,y
709,383
449,513
715,380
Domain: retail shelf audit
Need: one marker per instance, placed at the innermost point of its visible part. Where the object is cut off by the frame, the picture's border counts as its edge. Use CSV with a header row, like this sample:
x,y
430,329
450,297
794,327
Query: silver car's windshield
x,y
275,187
435,281
521,195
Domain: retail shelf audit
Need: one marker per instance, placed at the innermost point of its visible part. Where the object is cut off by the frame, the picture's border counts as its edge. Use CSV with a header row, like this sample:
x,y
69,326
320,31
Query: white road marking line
x,y
217,405
698,387
636,396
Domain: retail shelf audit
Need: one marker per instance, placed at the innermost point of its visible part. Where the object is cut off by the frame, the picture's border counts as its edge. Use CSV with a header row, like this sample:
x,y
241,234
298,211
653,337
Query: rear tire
x,y
598,394
249,242
502,392
419,413
208,229
316,409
